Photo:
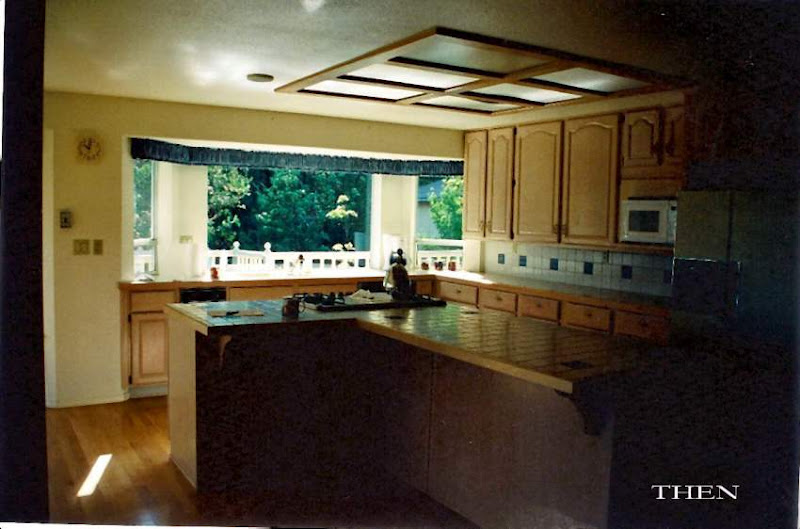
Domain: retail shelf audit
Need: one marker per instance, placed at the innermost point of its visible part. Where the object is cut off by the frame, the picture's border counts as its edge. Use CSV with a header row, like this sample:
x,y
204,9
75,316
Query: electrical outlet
x,y
80,246
97,247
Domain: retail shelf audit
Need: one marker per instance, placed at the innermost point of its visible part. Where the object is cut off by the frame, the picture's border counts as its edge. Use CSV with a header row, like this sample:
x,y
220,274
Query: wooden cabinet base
x,y
586,317
150,346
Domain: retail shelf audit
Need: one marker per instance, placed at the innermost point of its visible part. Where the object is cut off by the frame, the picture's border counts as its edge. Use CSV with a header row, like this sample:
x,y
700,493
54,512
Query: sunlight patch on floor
x,y
95,474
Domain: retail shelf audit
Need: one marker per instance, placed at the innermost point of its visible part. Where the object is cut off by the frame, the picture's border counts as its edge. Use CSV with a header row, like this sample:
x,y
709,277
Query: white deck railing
x,y
251,261
449,251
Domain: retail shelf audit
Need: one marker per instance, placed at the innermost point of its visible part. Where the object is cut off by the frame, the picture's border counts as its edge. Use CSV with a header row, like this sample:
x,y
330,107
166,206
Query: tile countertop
x,y
273,279
532,350
521,285
577,293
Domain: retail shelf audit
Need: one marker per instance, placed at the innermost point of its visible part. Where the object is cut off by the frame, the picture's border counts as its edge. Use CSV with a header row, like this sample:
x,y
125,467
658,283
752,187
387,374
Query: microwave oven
x,y
648,221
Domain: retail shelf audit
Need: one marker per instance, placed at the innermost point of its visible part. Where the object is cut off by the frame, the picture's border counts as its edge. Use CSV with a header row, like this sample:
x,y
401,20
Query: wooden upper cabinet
x,y
589,212
473,219
537,194
641,138
499,182
674,136
654,143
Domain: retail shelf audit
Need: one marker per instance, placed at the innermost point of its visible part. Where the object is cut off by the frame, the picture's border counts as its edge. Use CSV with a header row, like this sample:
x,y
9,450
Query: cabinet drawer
x,y
152,301
256,293
655,328
541,308
586,316
459,293
497,299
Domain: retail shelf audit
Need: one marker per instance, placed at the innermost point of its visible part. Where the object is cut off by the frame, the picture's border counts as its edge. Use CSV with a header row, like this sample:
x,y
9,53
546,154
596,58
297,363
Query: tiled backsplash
x,y
646,274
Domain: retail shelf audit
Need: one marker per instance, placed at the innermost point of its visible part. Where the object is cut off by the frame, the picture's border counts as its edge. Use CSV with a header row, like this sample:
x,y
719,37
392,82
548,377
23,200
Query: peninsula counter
x,y
501,418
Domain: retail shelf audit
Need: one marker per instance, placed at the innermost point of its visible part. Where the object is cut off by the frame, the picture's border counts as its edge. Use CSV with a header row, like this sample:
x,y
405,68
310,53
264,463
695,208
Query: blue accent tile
x,y
553,264
668,276
627,272
501,258
523,260
588,268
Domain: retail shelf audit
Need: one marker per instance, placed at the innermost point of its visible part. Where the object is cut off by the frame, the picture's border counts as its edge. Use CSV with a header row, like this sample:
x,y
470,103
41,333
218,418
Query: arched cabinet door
x,y
474,205
499,183
537,193
641,139
589,205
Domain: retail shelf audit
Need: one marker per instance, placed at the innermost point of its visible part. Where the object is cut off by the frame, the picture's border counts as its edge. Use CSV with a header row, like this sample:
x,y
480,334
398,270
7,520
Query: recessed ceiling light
x,y
260,77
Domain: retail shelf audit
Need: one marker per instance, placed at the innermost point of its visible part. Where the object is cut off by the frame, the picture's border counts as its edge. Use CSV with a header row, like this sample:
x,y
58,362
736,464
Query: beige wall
x,y
86,315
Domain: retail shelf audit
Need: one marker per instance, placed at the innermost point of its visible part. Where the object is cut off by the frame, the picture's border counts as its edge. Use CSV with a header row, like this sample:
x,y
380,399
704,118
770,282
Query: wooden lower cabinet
x,y
586,316
458,292
649,327
424,288
497,300
150,348
536,307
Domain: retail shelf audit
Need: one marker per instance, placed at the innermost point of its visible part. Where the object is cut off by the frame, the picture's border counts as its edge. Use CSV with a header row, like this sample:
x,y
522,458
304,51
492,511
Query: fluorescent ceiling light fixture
x,y
468,104
312,5
592,79
400,74
528,93
91,481
363,90
447,51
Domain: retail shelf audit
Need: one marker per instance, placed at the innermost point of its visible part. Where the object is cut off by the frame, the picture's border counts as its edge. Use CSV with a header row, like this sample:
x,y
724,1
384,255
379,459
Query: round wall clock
x,y
89,148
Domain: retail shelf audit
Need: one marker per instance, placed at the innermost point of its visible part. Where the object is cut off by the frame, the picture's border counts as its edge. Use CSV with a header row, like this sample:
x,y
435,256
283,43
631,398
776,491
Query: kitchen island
x,y
506,420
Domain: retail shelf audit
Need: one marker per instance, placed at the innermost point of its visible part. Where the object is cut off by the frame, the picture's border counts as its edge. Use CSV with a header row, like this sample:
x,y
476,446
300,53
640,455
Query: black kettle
x,y
397,282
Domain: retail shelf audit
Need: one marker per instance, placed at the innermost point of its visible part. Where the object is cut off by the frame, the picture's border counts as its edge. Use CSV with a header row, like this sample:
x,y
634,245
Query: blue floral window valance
x,y
162,151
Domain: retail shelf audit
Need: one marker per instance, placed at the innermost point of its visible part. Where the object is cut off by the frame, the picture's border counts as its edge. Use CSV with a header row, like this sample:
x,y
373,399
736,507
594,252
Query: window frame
x,y
151,241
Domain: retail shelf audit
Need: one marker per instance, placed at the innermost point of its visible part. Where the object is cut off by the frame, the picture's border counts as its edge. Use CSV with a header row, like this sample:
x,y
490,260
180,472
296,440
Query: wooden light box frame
x,y
438,40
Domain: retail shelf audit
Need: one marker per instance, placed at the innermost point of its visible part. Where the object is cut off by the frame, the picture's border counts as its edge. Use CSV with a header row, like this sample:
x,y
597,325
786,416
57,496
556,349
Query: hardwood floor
x,y
141,486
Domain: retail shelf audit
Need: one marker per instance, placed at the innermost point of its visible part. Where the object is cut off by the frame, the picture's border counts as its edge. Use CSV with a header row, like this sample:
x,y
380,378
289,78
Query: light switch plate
x,y
65,218
97,247
80,246
185,239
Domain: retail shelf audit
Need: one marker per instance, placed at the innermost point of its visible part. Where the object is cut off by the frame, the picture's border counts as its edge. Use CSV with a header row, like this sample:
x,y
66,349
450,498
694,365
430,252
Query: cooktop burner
x,y
378,300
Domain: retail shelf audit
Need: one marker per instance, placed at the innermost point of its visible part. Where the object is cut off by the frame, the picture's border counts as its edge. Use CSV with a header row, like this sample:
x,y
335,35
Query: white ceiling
x,y
200,51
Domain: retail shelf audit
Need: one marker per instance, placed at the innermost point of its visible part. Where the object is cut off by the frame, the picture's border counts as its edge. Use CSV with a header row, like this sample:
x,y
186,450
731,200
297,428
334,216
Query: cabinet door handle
x,y
643,323
499,297
555,229
670,147
564,230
